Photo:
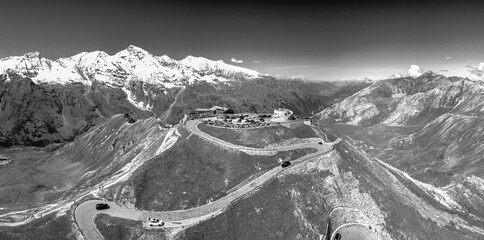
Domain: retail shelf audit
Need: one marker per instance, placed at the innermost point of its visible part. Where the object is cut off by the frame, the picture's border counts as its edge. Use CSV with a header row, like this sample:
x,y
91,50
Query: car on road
x,y
285,164
320,143
102,206
154,222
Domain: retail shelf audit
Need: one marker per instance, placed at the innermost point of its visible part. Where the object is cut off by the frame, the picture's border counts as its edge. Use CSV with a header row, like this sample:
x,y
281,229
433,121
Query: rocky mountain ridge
x,y
130,63
401,100
429,126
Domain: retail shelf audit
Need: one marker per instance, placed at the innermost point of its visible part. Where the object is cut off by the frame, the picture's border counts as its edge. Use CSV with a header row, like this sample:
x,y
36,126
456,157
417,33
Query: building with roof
x,y
282,115
215,110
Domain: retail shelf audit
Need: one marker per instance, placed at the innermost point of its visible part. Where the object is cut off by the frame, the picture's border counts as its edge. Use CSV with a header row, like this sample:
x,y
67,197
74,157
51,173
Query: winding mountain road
x,y
86,211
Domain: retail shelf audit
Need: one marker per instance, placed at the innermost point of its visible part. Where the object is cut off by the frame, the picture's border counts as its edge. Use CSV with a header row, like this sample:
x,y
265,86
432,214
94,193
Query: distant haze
x,y
327,41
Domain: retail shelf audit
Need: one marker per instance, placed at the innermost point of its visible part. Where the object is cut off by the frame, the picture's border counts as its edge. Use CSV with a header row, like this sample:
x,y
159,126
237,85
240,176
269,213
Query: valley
x,y
390,159
170,120
429,129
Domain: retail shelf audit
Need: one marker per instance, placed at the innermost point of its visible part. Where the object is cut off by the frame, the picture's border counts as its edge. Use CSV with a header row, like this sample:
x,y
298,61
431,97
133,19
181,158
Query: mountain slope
x,y
41,176
298,204
428,126
61,99
38,115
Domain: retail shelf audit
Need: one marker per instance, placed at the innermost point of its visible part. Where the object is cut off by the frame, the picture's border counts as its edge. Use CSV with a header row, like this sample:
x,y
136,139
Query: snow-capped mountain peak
x,y
200,63
132,63
428,73
34,54
133,48
207,66
133,51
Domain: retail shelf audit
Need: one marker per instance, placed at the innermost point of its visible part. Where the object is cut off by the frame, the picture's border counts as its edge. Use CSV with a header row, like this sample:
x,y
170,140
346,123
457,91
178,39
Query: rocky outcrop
x,y
5,161
469,193
38,115
353,111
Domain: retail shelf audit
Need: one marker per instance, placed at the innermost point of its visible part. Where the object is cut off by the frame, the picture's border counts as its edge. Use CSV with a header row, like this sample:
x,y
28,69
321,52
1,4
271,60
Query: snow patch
x,y
207,66
141,105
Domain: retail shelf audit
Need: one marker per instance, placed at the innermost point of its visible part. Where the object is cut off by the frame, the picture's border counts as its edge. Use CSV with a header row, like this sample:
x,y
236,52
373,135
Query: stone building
x,y
282,115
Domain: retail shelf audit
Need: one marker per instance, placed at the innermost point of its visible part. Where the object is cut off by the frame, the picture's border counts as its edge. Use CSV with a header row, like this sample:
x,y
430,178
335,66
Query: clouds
x,y
236,60
448,58
478,71
415,71
239,61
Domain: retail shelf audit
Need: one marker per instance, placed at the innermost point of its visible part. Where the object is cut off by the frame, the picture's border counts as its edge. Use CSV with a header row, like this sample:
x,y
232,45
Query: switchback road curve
x,y
86,211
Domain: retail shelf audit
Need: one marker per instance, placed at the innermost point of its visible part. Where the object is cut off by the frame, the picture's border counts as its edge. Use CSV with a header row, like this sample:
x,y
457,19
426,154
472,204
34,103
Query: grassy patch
x,y
254,218
113,228
194,172
271,213
258,137
48,228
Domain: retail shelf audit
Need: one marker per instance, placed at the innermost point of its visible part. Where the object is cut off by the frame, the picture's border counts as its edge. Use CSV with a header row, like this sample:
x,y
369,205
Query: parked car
x,y
154,222
102,206
285,164
337,236
320,143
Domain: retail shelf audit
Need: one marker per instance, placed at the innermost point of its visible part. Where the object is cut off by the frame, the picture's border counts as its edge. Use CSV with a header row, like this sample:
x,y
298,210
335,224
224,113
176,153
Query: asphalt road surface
x,y
355,232
86,211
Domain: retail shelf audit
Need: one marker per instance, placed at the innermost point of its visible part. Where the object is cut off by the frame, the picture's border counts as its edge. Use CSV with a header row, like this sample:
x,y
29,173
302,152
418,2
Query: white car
x,y
154,222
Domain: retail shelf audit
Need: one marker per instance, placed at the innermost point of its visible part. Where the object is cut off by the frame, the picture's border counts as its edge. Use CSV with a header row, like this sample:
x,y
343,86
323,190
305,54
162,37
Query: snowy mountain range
x,y
130,63
44,101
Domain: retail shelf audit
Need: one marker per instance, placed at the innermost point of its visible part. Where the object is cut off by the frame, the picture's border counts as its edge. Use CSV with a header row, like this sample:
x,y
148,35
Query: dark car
x,y
337,236
285,164
320,143
102,206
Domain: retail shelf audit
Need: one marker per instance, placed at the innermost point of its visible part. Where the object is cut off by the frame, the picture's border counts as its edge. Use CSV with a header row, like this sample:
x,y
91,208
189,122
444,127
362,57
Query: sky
x,y
323,40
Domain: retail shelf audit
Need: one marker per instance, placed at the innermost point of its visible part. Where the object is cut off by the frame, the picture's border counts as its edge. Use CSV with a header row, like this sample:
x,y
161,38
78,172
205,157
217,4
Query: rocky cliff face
x,y
38,115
